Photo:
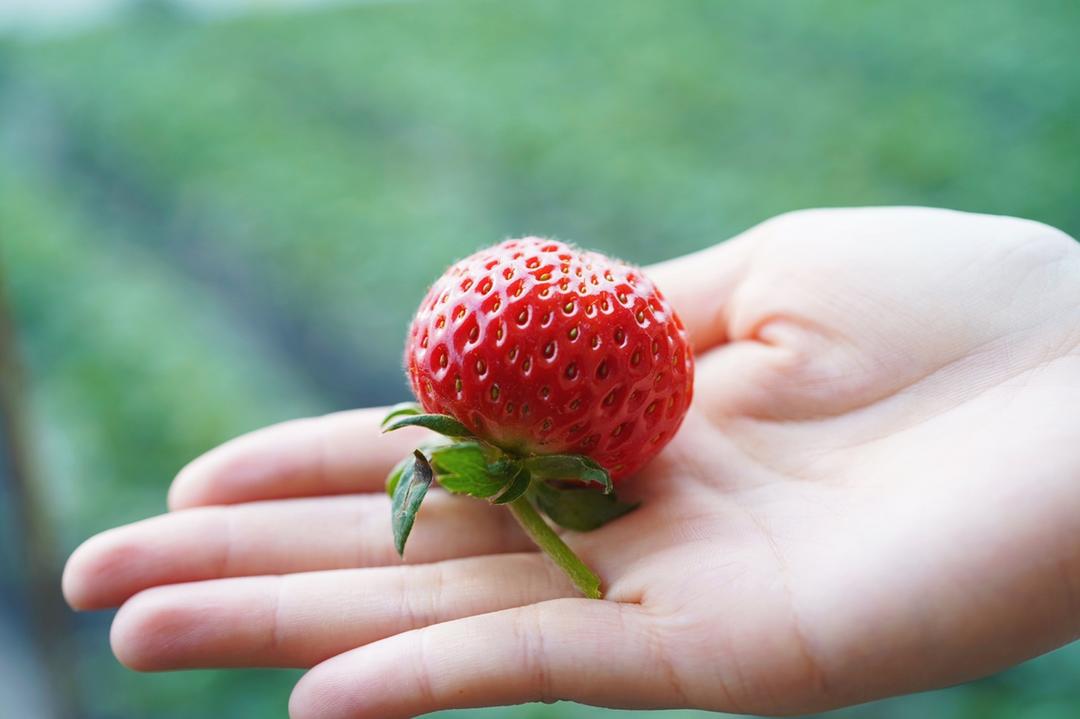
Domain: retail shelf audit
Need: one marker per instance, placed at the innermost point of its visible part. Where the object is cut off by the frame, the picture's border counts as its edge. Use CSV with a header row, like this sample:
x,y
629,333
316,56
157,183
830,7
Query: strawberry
x,y
552,368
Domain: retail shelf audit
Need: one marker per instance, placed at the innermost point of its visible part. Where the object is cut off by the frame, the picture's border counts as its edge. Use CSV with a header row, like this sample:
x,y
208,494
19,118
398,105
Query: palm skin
x,y
877,490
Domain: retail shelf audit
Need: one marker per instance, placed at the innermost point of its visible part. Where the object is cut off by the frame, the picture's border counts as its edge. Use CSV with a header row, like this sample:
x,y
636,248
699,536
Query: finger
x,y
277,537
301,619
336,454
597,652
700,287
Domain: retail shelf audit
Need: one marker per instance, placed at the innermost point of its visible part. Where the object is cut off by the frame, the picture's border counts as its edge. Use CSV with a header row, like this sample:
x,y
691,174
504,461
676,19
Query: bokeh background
x,y
217,216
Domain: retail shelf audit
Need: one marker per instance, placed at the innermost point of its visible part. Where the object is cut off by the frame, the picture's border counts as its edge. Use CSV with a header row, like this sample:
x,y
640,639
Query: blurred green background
x,y
208,225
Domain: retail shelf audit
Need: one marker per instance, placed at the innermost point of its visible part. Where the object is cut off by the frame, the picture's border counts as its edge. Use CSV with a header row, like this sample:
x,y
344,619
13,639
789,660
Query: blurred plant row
x,y
205,228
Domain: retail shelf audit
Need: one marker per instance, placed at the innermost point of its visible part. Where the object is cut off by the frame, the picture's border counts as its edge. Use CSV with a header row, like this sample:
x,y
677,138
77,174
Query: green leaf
x,y
462,468
574,467
579,508
505,467
402,409
396,473
408,494
517,487
441,423
459,458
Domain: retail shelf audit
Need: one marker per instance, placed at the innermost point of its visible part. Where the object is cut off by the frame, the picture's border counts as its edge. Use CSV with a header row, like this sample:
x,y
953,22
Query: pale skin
x,y
876,491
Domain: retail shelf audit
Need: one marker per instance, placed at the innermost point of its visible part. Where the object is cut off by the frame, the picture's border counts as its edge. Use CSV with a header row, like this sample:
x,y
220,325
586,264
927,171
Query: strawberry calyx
x,y
573,490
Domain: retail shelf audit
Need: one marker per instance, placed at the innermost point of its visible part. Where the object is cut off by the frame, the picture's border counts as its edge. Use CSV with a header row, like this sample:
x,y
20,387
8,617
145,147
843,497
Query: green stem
x,y
553,546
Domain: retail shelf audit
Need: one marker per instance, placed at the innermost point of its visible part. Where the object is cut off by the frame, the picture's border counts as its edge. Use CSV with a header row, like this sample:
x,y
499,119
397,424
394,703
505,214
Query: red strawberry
x,y
539,347
551,369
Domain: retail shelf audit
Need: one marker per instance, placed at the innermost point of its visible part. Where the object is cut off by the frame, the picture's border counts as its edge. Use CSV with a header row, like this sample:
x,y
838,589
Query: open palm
x,y
877,490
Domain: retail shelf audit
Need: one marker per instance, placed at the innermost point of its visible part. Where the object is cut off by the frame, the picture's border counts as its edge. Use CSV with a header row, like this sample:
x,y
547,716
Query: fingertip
x,y
701,285
72,581
299,701
314,698
359,683
142,626
93,569
220,476
124,639
270,463
183,492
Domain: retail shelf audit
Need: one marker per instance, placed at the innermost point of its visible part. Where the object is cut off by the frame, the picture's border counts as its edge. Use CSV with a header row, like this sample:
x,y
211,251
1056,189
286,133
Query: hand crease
x,y
321,457
436,595
277,626
404,591
423,671
813,667
663,657
532,643
228,541
894,431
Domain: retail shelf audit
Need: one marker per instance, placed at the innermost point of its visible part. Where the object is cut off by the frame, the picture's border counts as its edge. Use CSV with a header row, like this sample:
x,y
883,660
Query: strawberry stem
x,y
553,546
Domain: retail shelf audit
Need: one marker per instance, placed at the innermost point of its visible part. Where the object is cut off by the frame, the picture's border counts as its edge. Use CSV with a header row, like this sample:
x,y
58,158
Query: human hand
x,y
877,491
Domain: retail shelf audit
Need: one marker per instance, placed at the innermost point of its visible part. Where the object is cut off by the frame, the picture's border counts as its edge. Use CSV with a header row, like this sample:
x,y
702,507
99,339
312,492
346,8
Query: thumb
x,y
737,367
700,287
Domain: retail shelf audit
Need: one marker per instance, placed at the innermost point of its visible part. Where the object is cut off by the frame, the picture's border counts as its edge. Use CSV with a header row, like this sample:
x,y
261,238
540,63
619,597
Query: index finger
x,y
340,453
346,452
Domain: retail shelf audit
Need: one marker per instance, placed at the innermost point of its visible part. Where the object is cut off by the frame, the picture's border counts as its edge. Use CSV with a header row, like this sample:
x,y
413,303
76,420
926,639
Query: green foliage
x,y
441,423
401,409
210,227
462,468
582,509
408,492
574,467
397,473
515,488
135,370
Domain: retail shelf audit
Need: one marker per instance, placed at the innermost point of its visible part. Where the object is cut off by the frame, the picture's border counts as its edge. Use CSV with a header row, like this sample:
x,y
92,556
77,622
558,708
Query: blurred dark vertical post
x,y
34,624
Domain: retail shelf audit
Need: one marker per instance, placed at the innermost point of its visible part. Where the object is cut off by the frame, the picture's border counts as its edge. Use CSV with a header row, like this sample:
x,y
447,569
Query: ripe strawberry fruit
x,y
545,363
539,347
